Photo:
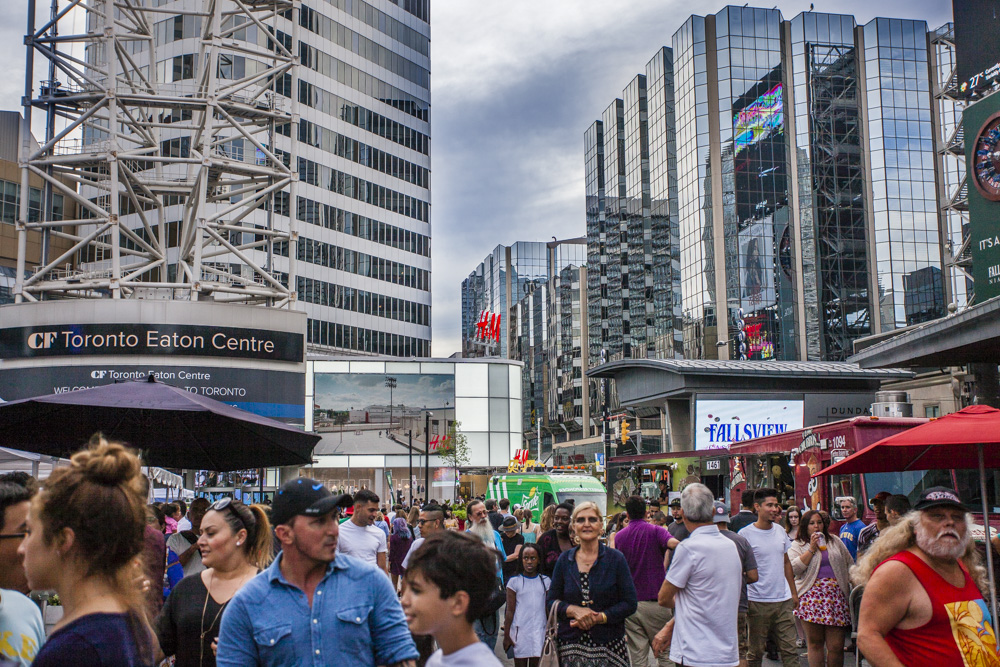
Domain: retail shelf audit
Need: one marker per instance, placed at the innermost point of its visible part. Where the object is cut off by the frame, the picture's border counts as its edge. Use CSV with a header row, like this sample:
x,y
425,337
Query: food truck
x,y
788,461
640,474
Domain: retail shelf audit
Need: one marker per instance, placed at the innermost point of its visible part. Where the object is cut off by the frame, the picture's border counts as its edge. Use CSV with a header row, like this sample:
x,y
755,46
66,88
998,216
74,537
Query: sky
x,y
514,85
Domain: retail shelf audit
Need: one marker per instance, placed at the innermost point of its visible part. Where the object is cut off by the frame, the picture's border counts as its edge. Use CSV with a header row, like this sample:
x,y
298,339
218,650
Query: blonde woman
x,y
84,534
821,565
235,545
594,591
413,521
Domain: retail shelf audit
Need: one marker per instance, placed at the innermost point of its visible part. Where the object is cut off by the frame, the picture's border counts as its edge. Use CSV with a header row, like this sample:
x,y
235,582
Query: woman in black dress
x,y
235,544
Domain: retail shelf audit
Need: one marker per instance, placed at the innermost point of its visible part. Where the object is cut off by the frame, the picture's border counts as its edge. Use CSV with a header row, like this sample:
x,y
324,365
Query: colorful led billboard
x,y
759,119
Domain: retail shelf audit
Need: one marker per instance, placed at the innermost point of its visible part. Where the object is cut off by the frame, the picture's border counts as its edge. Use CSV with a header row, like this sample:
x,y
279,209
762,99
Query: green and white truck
x,y
536,490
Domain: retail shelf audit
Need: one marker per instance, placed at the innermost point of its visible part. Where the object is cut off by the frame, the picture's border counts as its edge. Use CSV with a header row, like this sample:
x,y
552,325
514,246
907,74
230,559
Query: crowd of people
x,y
320,578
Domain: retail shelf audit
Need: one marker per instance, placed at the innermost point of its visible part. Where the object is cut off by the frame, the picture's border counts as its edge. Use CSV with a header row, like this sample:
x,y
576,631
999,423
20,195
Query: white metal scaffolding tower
x,y
161,124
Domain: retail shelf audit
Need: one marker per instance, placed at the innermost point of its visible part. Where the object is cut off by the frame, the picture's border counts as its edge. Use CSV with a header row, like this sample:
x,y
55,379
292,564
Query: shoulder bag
x,y
550,650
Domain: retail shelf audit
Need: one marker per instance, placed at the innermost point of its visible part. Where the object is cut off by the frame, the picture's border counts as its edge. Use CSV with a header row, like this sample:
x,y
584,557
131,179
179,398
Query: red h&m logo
x,y
439,442
521,456
488,326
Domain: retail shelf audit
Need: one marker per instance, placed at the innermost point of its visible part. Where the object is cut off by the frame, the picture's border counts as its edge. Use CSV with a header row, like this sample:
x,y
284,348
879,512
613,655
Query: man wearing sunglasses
x,y
431,521
314,606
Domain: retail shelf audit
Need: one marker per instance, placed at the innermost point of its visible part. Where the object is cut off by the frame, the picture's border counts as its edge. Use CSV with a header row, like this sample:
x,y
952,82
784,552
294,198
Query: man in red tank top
x,y
921,607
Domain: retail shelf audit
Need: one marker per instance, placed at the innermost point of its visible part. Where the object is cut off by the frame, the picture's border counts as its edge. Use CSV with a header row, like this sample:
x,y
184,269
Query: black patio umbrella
x,y
173,428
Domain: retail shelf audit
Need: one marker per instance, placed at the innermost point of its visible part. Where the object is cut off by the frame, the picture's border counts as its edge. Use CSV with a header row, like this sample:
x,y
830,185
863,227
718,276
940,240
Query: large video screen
x,y
758,119
720,423
977,43
370,409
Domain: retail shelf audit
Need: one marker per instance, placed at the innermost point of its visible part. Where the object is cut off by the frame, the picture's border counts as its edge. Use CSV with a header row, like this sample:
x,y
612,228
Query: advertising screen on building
x,y
370,411
982,148
719,423
977,47
757,266
759,119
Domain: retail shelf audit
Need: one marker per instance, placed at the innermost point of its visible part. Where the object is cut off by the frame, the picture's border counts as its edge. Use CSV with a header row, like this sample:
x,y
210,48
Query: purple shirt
x,y
644,545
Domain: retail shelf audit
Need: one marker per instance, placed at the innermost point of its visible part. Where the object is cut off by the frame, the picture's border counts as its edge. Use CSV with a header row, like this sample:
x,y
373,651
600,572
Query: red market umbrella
x,y
967,439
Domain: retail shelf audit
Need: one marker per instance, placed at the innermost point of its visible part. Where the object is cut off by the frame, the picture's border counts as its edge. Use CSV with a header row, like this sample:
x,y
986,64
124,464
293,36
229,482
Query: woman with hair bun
x,y
235,545
84,536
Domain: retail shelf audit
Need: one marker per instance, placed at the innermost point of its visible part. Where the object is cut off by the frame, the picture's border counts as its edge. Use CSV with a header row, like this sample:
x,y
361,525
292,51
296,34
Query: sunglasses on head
x,y
224,503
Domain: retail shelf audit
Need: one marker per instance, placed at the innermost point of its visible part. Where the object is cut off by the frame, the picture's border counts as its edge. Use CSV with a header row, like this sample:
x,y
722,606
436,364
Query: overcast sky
x,y
514,86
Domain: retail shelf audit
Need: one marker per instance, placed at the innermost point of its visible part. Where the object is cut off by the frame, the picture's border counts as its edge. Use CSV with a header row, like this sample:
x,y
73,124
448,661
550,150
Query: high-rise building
x,y
793,165
526,302
267,154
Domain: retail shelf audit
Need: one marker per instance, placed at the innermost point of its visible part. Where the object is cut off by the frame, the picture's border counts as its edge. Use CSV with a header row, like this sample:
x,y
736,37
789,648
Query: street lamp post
x,y
390,382
427,456
409,453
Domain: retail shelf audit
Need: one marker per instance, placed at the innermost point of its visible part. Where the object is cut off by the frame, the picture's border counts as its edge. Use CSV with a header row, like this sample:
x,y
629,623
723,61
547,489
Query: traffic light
x,y
625,428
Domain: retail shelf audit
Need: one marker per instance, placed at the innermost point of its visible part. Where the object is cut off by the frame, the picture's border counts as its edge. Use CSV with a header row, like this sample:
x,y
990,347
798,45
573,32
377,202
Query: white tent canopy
x,y
41,466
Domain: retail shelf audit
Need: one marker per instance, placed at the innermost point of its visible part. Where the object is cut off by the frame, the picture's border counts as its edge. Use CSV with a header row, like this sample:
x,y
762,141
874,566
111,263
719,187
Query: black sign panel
x,y
276,394
61,340
977,44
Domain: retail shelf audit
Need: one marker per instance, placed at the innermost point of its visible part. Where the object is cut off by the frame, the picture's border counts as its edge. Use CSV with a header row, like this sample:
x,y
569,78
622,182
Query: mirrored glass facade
x,y
832,190
904,202
777,236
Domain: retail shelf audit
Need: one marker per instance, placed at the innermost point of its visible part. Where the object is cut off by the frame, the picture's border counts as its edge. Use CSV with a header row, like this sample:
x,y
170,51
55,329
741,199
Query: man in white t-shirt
x,y
184,542
358,535
703,585
773,598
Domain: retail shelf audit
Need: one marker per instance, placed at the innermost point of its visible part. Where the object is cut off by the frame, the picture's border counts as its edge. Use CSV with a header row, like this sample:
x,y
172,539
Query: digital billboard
x,y
719,423
756,244
758,119
370,410
982,146
977,46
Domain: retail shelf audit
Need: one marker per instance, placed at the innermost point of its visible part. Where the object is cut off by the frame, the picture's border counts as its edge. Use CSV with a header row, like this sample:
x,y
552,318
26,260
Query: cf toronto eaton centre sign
x,y
149,339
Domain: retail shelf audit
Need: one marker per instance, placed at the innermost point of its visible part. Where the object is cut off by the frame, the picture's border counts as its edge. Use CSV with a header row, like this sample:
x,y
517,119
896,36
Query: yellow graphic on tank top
x,y
973,631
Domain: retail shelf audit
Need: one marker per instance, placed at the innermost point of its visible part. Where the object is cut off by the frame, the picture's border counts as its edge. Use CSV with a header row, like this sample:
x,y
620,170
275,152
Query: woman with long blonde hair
x,y
84,536
235,545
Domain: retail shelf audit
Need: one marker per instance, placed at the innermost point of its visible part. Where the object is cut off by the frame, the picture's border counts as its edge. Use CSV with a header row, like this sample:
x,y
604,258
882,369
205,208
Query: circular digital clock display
x,y
986,159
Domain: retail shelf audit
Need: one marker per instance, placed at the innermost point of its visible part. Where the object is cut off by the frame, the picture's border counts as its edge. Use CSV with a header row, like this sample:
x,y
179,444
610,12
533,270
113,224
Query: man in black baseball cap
x,y
312,605
921,565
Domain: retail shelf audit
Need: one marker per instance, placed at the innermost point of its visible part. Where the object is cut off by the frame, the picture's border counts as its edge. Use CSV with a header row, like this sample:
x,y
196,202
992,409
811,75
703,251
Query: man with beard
x,y
922,605
488,626
552,543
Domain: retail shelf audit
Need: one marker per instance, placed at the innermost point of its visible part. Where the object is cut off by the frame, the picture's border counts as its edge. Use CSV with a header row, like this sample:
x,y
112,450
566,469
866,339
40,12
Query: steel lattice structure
x,y
167,114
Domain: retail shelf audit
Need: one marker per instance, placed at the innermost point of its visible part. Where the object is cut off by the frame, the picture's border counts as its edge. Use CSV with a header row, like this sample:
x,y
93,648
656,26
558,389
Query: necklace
x,y
204,607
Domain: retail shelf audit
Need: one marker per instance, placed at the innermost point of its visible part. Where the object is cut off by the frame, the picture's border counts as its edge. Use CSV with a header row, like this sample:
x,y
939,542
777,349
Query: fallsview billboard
x,y
719,423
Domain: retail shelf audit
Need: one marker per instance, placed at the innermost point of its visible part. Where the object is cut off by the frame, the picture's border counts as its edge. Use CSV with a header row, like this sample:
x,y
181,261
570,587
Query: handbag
x,y
497,599
550,651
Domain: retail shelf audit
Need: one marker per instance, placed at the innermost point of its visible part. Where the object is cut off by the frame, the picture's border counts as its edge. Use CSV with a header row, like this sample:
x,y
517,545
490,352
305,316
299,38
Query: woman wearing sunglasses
x,y
593,589
235,545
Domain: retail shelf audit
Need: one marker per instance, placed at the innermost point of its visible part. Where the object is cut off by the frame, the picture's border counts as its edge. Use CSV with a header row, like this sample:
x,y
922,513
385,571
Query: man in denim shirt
x,y
313,606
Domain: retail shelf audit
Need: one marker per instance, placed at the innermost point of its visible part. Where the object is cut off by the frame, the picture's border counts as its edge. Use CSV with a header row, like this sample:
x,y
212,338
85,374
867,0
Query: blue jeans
x,y
487,628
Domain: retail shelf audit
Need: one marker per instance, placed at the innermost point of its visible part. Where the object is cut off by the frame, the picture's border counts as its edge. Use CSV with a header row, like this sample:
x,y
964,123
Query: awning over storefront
x,y
968,337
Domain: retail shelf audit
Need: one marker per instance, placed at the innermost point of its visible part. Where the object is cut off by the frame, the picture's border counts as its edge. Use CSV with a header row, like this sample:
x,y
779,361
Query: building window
x,y
932,411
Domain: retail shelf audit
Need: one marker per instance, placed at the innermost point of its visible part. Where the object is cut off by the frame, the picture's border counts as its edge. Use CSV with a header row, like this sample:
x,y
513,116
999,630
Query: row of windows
x,y
360,301
330,179
419,8
363,82
351,261
336,106
339,220
351,149
10,203
385,24
343,36
366,340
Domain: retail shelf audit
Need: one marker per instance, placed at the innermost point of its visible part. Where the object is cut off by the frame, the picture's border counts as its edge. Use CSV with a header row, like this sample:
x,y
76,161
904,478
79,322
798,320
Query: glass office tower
x,y
904,206
794,164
